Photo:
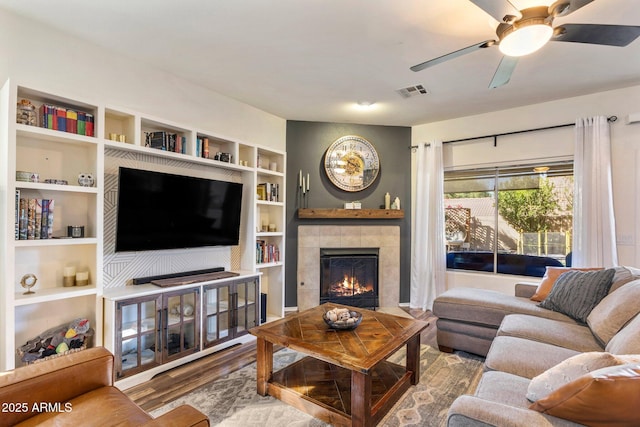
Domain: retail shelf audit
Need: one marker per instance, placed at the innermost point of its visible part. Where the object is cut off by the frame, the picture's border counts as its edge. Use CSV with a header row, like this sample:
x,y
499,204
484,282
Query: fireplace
x,y
349,276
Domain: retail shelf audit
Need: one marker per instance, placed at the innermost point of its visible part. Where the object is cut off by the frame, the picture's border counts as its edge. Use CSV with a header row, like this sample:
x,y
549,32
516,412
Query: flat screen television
x,y
164,211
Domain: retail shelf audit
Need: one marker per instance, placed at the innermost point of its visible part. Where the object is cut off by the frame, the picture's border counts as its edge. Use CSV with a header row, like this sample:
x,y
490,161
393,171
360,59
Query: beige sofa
x,y
526,345
77,390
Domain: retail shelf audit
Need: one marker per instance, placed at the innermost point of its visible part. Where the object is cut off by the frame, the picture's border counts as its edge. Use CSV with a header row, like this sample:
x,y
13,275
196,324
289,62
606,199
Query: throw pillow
x,y
550,276
614,311
602,398
575,293
571,369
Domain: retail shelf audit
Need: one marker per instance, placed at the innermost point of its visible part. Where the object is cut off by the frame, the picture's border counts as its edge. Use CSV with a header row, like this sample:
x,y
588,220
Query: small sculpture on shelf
x,y
28,281
86,179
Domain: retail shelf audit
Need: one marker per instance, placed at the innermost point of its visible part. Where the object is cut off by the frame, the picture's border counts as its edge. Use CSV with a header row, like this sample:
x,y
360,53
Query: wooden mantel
x,y
330,213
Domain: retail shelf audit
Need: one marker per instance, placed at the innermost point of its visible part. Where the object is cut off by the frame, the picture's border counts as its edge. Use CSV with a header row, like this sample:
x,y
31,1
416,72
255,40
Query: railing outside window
x,y
514,220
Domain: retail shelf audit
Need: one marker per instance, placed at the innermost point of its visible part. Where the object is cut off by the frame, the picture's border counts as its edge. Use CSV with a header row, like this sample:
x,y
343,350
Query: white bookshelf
x,y
62,155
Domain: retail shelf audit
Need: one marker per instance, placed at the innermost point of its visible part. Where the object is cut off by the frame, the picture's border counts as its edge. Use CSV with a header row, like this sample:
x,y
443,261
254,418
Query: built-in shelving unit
x,y
60,156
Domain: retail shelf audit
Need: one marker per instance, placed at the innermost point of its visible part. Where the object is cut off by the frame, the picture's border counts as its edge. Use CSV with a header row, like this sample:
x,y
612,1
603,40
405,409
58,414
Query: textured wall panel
x,y
121,267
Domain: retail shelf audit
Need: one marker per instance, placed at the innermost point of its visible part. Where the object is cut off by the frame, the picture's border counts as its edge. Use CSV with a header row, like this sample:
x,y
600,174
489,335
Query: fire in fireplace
x,y
349,276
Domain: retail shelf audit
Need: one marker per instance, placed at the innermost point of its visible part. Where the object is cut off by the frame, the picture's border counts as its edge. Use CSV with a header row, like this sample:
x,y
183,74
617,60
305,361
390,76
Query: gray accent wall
x,y
307,143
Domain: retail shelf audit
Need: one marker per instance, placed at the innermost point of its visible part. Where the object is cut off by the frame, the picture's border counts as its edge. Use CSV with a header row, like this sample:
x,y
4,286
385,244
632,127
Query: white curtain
x,y
428,265
594,231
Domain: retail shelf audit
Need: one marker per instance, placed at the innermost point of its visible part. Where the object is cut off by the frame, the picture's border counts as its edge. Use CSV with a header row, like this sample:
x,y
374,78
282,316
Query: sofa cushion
x,y
486,307
549,279
627,341
522,357
572,369
563,334
576,293
505,388
605,397
624,275
614,311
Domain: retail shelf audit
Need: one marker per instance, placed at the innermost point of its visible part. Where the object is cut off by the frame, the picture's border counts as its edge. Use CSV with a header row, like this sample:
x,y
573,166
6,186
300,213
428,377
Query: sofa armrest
x,y
469,411
182,416
56,380
525,289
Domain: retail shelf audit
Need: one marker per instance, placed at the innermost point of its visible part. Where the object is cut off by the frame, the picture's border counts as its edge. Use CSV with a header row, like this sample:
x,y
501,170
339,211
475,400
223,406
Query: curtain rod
x,y
496,135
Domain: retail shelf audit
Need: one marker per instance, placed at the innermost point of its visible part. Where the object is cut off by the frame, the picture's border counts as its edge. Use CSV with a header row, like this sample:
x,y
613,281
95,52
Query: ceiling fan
x,y
521,32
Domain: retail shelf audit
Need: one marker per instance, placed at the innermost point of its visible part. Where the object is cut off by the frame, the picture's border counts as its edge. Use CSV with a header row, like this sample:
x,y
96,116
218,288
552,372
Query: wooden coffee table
x,y
345,380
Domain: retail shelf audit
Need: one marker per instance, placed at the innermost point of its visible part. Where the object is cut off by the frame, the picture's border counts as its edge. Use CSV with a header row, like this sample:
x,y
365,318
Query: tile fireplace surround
x,y
313,237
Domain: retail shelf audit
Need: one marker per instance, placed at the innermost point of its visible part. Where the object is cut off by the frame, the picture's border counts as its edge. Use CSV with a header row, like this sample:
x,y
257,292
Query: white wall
x,y
558,142
45,59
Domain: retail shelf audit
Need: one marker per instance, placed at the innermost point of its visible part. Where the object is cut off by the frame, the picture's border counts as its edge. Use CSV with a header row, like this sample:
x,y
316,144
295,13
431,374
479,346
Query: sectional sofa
x,y
543,367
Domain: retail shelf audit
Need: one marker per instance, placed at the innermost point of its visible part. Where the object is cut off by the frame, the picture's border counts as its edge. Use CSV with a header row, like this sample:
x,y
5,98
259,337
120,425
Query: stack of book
x,y
166,141
66,120
267,252
34,218
202,147
268,191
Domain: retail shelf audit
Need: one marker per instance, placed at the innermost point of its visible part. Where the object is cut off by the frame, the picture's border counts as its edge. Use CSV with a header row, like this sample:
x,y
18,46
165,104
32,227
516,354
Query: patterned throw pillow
x,y
551,275
572,369
576,293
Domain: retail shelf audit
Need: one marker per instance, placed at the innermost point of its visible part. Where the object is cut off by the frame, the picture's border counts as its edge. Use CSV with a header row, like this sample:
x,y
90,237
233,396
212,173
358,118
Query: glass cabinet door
x,y
217,317
247,309
181,331
138,335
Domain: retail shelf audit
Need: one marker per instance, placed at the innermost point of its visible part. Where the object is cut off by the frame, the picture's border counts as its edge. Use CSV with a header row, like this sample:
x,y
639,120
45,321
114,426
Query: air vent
x,y
411,91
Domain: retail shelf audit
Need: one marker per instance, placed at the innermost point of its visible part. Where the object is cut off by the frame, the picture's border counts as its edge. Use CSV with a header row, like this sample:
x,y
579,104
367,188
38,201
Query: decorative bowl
x,y
345,325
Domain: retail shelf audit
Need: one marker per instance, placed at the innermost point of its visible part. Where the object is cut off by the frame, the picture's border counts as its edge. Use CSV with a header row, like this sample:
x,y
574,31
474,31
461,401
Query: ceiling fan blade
x,y
565,7
452,55
610,35
501,10
504,71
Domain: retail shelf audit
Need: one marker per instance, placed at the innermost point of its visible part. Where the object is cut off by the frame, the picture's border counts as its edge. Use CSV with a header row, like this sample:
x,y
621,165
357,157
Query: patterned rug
x,y
233,401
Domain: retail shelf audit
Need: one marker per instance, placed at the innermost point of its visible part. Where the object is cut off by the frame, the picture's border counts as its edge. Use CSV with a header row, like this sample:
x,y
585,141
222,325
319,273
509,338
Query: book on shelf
x,y
31,218
165,141
81,129
17,215
37,222
23,219
66,120
72,121
267,252
89,124
205,147
34,219
268,191
51,205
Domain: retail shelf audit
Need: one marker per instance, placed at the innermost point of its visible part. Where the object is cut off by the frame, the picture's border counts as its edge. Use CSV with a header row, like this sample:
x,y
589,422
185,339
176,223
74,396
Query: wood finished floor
x,y
179,381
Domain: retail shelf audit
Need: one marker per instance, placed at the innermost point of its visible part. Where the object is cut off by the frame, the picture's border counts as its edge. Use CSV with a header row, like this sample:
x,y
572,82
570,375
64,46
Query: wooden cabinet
x,y
229,310
138,336
156,328
152,330
180,323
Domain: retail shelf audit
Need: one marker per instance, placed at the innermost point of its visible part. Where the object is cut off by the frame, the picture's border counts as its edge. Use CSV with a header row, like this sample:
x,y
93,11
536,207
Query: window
x,y
512,220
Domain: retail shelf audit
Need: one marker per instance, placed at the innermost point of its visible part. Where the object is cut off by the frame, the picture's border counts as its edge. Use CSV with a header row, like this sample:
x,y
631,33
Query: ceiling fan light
x,y
525,40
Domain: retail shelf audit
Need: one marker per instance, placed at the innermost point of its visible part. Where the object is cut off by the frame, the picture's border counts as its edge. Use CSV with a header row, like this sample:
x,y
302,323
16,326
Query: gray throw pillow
x,y
576,293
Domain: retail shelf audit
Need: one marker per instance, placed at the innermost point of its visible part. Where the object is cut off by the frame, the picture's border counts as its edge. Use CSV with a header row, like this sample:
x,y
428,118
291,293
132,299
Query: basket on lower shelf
x,y
64,339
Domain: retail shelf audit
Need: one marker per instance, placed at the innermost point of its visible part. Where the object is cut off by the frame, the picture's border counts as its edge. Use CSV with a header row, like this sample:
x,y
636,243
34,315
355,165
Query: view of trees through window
x,y
513,220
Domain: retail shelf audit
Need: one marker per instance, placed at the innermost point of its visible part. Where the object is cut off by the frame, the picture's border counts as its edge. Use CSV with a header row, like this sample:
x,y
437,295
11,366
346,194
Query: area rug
x,y
233,401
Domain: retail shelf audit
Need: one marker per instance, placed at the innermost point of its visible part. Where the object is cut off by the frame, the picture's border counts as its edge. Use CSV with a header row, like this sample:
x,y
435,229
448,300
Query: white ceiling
x,y
312,59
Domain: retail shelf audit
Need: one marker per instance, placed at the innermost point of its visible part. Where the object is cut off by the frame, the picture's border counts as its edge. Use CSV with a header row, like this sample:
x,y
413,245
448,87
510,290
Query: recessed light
x,y
366,105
